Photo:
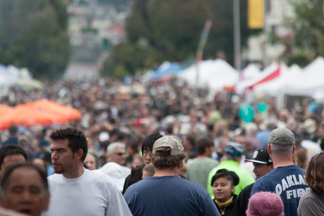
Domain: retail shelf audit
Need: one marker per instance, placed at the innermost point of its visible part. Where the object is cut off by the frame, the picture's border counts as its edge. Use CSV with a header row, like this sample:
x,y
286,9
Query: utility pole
x,y
265,30
237,34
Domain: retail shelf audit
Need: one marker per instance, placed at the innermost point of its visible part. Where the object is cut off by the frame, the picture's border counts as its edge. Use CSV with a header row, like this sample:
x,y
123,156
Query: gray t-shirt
x,y
311,204
198,170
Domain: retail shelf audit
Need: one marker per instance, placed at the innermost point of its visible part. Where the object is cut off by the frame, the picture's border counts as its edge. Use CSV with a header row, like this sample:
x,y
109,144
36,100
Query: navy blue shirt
x,y
288,182
11,140
168,196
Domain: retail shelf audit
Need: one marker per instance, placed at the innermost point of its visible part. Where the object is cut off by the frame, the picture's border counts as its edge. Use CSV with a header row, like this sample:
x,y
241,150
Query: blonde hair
x,y
149,168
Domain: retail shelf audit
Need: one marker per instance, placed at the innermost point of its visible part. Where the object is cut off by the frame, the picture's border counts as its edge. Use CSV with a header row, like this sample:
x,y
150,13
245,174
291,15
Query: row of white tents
x,y
11,75
276,79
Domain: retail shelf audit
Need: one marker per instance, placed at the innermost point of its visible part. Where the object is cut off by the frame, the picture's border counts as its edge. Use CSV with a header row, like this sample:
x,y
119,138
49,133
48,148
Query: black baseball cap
x,y
261,156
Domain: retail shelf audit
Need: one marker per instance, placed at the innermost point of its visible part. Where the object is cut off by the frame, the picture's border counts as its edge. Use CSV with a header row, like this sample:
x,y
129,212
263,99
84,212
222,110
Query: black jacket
x,y
242,201
228,209
135,176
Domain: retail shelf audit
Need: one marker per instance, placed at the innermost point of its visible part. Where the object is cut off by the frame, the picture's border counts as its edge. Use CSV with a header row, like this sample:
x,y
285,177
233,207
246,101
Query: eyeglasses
x,y
120,154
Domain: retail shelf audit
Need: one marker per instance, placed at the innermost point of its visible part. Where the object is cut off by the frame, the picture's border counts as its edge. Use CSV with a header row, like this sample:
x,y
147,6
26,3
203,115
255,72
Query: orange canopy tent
x,y
5,110
29,116
55,108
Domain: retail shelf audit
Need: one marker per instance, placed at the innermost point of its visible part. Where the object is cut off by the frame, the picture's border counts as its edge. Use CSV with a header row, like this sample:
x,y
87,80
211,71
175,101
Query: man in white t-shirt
x,y
76,191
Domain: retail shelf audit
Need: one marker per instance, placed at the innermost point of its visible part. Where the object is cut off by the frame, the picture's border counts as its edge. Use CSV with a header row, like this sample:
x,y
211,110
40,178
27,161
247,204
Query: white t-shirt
x,y
92,194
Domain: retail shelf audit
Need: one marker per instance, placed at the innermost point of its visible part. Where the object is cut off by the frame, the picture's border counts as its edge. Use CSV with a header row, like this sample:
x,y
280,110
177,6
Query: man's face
x,y
25,192
10,160
209,150
186,144
261,169
222,147
119,156
147,156
63,160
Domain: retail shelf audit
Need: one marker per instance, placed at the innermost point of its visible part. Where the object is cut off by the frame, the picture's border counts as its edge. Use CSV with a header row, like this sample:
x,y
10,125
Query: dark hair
x,y
315,173
11,150
13,129
76,139
114,132
163,160
10,169
192,138
122,136
138,140
104,145
169,129
202,143
322,143
149,141
229,175
301,157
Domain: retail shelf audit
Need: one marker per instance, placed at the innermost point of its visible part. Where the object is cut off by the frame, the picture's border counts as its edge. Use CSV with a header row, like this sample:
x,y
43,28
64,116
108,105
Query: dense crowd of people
x,y
166,149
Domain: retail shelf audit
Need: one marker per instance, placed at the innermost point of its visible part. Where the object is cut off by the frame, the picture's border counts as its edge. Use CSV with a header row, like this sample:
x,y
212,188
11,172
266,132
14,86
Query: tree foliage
x,y
131,59
306,38
33,34
173,28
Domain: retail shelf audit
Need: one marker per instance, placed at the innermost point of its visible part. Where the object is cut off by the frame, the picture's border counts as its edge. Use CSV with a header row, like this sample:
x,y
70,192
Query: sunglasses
x,y
120,154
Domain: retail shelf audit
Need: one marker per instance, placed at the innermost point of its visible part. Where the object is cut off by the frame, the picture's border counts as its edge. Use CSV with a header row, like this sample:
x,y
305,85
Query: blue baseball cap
x,y
234,148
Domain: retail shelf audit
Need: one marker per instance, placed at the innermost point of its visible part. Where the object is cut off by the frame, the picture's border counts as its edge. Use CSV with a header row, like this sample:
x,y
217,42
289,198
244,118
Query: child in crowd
x,y
223,183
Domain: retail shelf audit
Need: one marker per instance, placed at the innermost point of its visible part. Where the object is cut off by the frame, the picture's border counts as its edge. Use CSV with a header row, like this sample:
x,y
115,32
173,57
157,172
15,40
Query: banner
x,y
256,14
201,45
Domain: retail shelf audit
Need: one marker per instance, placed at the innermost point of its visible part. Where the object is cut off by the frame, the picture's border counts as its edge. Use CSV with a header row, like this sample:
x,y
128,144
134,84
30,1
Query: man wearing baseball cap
x,y
262,165
233,154
166,193
286,180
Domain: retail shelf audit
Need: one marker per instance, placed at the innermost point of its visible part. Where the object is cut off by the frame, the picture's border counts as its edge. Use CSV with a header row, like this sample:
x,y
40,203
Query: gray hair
x,y
251,127
112,147
219,142
281,150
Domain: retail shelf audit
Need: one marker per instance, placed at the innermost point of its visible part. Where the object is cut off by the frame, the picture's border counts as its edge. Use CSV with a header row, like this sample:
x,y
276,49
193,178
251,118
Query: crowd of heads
x,y
160,128
111,114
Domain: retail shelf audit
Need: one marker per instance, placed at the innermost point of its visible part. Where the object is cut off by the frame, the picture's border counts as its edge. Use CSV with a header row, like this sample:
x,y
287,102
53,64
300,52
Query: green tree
x,y
33,34
306,38
130,59
173,28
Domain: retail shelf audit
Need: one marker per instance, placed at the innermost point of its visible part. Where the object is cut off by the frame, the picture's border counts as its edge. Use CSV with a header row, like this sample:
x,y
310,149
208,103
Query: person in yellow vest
x,y
233,154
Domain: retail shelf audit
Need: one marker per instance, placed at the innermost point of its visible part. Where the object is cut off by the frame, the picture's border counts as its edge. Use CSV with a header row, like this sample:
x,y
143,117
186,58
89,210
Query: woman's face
x,y
90,161
222,189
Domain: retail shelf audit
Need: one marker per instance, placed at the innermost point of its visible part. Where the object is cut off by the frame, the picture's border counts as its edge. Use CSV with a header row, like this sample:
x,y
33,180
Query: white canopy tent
x,y
295,69
267,72
275,87
319,95
9,73
307,82
212,73
251,71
